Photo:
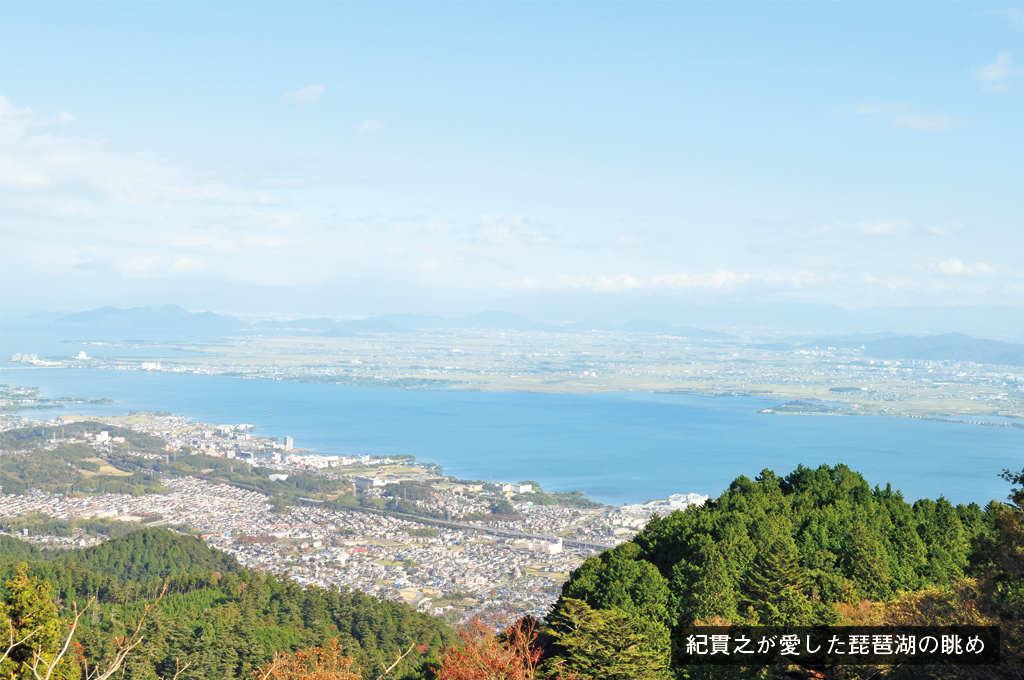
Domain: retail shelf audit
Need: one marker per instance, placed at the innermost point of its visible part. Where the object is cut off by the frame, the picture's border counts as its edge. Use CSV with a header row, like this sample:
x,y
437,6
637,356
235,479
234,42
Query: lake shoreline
x,y
615,447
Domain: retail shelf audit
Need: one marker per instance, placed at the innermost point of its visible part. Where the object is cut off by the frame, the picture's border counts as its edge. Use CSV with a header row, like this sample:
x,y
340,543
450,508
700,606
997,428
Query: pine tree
x,y
713,597
610,644
775,587
28,613
774,570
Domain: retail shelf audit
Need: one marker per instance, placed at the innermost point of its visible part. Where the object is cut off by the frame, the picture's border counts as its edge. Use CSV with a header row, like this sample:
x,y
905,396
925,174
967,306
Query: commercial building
x,y
368,482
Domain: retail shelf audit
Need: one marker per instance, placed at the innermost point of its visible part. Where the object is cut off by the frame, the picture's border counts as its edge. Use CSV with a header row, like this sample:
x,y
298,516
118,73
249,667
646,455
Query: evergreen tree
x,y
29,615
618,578
609,644
713,596
776,585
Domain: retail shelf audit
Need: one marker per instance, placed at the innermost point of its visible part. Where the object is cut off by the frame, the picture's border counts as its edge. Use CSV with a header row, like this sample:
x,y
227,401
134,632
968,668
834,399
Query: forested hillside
x,y
140,556
814,547
223,620
71,469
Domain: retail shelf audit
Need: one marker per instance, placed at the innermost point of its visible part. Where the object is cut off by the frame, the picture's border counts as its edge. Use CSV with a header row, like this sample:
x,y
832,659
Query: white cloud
x,y
958,268
108,211
996,76
882,227
1014,15
40,154
526,283
369,125
433,263
906,117
795,279
20,128
508,231
678,281
304,96
188,264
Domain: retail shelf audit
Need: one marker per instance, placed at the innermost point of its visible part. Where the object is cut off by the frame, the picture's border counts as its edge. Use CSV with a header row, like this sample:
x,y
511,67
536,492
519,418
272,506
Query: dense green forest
x,y
225,620
818,546
140,557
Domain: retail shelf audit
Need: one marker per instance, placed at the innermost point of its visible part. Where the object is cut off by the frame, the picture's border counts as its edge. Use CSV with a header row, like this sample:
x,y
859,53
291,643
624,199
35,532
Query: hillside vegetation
x,y
223,620
814,547
71,467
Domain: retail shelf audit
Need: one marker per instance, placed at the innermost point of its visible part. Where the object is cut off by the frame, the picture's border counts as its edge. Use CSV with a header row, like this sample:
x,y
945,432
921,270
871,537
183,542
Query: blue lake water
x,y
54,340
618,447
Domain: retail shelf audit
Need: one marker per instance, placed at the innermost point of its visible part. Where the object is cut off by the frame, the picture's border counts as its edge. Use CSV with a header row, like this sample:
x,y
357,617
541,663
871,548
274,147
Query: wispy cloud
x,y
21,128
369,125
104,209
304,96
880,228
996,77
40,154
616,283
507,230
527,283
868,228
905,116
958,268
1014,15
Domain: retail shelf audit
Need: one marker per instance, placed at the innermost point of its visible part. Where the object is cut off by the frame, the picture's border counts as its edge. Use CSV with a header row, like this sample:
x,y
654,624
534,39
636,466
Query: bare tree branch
x,y
397,661
274,665
42,669
13,644
52,665
178,668
126,644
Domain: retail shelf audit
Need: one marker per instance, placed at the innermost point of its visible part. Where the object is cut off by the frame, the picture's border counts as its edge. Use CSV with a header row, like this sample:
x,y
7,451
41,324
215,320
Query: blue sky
x,y
856,154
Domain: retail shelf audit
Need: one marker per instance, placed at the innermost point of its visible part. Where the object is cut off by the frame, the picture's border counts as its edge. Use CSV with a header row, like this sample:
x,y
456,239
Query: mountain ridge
x,y
941,347
168,316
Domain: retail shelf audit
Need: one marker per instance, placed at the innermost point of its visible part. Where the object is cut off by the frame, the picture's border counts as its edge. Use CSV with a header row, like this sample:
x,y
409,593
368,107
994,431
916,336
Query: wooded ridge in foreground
x,y
818,546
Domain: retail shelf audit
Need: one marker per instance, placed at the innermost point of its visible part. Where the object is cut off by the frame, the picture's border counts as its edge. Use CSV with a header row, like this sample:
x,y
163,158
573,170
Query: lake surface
x,y
618,448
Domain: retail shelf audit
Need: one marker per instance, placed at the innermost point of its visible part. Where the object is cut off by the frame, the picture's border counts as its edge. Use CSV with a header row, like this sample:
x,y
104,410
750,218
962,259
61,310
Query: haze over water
x,y
617,447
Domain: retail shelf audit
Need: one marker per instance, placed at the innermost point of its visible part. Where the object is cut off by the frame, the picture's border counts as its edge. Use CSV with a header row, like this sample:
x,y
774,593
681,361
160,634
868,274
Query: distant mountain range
x,y
175,317
405,323
168,316
940,347
944,347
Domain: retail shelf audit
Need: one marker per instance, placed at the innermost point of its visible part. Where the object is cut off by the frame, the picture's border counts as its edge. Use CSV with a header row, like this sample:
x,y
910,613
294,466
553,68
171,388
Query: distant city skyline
x,y
371,158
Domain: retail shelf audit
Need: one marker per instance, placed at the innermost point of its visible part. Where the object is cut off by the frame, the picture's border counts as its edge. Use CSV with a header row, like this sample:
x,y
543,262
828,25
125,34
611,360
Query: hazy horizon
x,y
362,159
995,322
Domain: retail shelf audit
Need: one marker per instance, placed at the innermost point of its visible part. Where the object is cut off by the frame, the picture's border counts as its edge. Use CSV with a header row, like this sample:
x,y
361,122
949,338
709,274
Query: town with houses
x,y
436,555
846,379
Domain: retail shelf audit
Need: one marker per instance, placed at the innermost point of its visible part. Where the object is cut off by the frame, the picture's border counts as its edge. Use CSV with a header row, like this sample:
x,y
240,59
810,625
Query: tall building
x,y
289,443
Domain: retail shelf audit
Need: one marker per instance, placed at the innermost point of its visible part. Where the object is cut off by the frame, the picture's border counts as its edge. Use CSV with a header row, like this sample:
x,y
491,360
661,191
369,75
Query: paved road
x,y
505,533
